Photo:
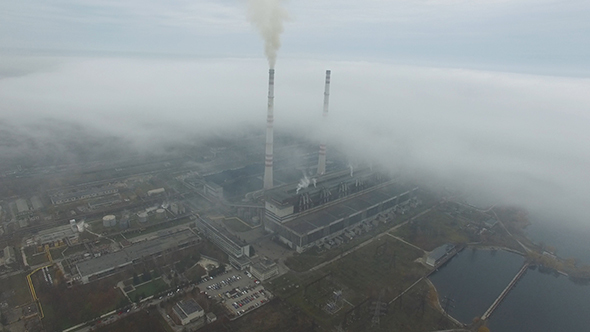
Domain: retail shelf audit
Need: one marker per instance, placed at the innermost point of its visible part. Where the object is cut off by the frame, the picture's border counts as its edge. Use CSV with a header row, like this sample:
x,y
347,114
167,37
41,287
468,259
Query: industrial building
x,y
337,203
264,269
68,197
154,192
21,206
188,311
36,203
438,254
9,255
213,189
57,236
237,250
110,263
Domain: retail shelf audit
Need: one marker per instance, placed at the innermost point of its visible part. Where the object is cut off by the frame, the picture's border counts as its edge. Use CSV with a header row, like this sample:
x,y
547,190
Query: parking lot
x,y
237,290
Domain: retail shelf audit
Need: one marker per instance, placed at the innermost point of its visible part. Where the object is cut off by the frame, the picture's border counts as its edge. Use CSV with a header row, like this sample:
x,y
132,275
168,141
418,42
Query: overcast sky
x,y
549,36
490,94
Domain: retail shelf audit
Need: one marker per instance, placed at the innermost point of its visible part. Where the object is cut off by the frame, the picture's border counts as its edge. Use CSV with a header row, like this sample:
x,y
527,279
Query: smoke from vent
x,y
305,182
268,16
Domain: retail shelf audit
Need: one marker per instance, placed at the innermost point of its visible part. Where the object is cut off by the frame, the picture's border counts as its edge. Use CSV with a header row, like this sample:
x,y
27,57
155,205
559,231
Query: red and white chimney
x,y
322,158
268,179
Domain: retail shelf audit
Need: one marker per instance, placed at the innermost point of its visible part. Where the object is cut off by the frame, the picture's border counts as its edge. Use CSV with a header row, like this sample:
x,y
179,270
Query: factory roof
x,y
85,192
104,263
264,265
136,251
56,233
220,230
347,207
36,202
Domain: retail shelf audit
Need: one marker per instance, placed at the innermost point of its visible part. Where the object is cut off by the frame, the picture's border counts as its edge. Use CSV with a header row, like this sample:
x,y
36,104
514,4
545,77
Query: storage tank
x,y
109,220
161,214
124,223
142,216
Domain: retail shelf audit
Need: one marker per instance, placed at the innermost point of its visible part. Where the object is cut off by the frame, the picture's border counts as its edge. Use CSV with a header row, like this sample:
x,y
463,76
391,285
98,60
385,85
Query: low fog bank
x,y
507,138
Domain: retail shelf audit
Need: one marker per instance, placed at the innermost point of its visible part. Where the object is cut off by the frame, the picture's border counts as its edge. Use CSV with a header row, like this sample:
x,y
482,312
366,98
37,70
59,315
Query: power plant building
x,y
338,203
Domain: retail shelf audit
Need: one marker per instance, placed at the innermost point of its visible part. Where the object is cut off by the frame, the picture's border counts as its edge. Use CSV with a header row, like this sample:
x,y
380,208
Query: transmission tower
x,y
379,310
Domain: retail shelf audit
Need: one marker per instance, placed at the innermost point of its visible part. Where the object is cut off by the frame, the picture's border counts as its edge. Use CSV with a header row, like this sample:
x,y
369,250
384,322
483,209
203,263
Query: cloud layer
x,y
511,137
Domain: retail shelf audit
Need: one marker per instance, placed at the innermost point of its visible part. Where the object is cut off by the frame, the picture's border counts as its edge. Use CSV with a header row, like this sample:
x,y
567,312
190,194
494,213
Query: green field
x,y
148,289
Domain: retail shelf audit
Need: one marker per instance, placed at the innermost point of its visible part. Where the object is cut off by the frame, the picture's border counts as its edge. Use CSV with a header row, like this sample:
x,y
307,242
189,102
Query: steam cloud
x,y
268,16
305,182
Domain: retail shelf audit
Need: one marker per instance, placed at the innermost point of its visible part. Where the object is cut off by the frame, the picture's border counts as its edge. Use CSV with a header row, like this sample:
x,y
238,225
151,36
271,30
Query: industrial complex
x,y
225,217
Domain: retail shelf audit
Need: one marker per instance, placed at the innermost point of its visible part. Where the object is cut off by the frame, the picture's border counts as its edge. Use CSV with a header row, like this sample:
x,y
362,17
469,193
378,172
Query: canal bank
x,y
542,300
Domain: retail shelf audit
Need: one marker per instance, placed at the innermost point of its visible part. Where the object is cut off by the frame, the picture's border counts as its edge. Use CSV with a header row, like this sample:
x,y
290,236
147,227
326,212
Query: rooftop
x,y
189,307
264,265
441,251
136,251
56,233
104,263
21,205
220,230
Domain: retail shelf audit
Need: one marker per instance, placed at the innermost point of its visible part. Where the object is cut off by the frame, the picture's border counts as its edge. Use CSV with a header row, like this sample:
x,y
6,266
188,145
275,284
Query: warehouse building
x,y
108,264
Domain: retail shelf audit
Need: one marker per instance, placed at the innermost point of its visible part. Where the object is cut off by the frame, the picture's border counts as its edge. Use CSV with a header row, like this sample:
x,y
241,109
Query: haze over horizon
x,y
491,96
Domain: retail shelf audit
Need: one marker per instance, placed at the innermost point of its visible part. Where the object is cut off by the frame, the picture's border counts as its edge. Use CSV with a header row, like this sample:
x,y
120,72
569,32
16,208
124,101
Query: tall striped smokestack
x,y
322,159
268,182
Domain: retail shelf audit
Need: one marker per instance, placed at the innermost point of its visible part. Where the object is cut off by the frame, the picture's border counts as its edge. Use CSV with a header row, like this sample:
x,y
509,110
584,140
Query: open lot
x,y
434,229
14,290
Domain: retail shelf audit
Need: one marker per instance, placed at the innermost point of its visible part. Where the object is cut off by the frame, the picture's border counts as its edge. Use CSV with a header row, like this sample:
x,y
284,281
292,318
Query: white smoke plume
x,y
305,182
268,17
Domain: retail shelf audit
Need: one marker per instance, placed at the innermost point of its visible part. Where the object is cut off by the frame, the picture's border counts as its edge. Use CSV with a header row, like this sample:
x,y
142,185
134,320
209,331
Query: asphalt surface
x,y
244,293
